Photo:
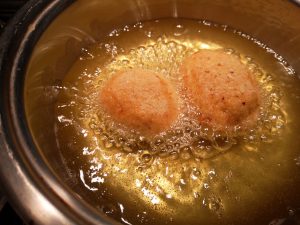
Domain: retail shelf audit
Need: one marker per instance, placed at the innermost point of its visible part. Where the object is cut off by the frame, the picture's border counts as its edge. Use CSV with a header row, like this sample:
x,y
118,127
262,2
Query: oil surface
x,y
189,174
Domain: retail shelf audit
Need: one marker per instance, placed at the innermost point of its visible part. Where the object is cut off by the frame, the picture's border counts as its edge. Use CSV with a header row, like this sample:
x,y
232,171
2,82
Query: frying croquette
x,y
140,99
222,88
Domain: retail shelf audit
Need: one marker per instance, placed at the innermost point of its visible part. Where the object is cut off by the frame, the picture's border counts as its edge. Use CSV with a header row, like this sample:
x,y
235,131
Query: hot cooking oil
x,y
190,173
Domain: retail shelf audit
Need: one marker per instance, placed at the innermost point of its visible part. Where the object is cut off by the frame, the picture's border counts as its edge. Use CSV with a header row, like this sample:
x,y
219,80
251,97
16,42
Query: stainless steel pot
x,y
43,33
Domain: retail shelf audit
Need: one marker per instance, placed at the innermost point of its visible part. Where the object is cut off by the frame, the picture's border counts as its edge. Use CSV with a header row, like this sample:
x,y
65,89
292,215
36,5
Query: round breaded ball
x,y
140,99
222,88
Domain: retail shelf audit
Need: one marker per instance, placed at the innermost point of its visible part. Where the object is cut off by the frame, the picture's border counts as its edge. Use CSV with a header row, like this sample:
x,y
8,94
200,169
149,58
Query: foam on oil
x,y
178,175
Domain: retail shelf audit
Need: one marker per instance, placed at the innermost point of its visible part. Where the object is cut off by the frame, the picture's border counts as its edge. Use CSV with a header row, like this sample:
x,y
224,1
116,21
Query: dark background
x,y
7,9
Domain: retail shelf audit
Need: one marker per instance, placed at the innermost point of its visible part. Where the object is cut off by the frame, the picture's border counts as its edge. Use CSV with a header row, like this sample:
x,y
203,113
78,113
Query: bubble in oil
x,y
202,148
222,142
185,153
145,158
195,174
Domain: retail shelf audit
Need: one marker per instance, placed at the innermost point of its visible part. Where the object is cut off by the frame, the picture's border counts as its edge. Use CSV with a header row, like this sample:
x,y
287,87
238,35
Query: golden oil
x,y
190,173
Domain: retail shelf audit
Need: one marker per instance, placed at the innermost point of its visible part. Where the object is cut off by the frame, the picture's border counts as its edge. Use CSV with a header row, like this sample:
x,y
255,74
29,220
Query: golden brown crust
x,y
140,99
222,88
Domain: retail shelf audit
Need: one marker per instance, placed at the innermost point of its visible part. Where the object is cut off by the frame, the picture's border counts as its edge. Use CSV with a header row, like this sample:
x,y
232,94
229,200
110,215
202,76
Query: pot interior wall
x,y
273,22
